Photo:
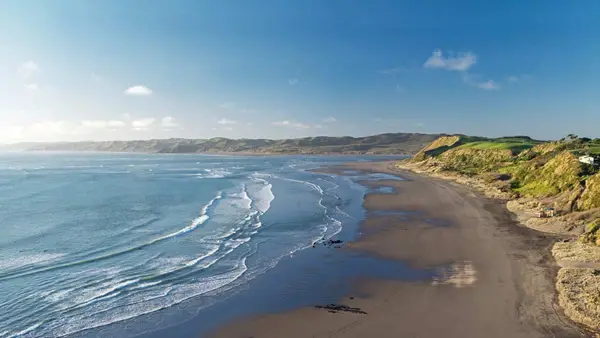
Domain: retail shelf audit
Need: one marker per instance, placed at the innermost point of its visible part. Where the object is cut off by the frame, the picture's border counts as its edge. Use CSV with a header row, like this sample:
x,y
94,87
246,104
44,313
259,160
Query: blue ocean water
x,y
90,240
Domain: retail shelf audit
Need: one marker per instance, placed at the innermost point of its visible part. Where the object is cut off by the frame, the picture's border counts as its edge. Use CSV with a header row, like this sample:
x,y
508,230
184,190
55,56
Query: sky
x,y
129,69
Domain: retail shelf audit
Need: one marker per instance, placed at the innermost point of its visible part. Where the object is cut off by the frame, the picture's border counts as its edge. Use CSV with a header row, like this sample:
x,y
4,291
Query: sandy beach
x,y
493,277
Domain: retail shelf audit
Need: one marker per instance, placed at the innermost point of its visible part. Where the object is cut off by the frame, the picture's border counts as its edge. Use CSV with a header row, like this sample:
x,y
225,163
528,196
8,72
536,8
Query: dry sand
x,y
495,278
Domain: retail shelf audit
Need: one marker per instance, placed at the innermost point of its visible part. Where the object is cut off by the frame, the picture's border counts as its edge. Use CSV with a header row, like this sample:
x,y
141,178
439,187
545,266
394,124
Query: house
x,y
587,159
546,212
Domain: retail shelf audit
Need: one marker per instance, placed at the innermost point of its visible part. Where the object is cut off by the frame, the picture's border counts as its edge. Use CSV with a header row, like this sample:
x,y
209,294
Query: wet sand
x,y
494,278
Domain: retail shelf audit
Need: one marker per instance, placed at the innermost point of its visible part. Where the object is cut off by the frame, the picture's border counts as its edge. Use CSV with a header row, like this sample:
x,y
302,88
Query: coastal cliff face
x,y
548,171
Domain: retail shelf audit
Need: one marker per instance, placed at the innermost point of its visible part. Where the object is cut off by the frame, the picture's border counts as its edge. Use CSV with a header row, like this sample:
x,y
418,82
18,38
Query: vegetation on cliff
x,y
549,171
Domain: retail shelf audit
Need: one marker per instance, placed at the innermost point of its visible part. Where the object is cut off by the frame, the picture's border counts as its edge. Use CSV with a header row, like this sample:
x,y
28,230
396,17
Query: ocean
x,y
94,242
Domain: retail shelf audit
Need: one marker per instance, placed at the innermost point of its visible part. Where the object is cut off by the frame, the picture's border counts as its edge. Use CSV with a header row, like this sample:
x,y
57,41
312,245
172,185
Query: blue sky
x,y
101,70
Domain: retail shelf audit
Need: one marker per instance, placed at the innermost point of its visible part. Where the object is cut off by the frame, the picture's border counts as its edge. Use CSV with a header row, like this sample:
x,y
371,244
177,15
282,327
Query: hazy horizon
x,y
112,70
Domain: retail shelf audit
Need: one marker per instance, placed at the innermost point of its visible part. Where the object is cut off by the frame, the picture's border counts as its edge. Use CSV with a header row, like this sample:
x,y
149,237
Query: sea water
x,y
91,240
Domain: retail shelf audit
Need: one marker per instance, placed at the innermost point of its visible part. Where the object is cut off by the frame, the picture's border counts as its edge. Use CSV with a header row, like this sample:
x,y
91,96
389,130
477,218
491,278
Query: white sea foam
x,y
177,294
56,296
216,173
195,223
24,260
316,187
25,331
264,196
91,295
195,261
241,199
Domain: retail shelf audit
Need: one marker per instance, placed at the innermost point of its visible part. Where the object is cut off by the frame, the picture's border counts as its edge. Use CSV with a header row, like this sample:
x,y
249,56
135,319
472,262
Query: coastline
x,y
577,280
219,153
491,276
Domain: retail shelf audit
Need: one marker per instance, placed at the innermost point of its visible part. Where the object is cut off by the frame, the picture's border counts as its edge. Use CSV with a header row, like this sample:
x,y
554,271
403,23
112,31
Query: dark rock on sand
x,y
335,308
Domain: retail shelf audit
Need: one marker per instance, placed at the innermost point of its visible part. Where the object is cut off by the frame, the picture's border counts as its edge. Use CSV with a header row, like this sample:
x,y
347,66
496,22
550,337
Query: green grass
x,y
515,147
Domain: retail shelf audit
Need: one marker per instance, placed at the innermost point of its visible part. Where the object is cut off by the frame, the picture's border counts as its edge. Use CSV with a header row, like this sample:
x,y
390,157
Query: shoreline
x,y
487,279
576,275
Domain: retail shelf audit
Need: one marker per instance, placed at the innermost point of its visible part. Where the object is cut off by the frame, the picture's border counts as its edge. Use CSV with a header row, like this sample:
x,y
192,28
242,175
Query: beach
x,y
491,277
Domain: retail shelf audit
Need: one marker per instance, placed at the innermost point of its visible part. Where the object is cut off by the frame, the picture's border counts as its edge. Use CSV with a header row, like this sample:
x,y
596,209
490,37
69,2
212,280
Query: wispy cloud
x,y
248,110
31,86
489,85
393,70
138,91
319,126
460,62
28,69
518,78
225,121
329,119
227,105
419,125
291,124
142,124
474,80
293,81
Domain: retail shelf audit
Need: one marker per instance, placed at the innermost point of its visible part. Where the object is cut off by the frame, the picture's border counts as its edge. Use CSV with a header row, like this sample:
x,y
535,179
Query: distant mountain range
x,y
391,143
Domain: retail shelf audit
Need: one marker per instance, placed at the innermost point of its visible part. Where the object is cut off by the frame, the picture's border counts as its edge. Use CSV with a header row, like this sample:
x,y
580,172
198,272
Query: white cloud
x,y
319,126
512,78
102,124
227,128
169,122
28,69
227,105
461,62
115,124
419,124
225,121
393,70
248,110
329,119
291,124
31,86
142,124
292,81
138,91
41,131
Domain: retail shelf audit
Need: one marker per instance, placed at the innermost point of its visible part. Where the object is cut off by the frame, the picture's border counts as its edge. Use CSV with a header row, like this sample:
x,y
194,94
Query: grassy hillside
x,y
544,170
391,143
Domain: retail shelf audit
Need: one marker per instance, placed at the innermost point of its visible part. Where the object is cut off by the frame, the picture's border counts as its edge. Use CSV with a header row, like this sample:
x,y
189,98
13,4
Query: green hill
x,y
390,143
531,168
